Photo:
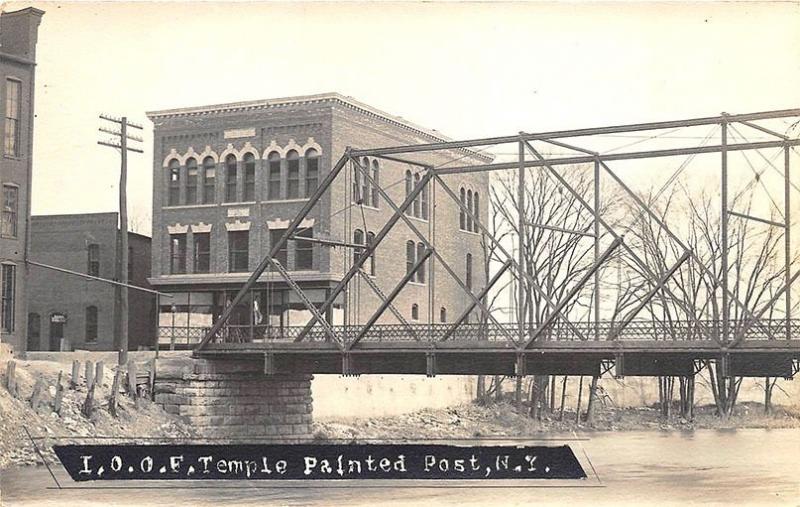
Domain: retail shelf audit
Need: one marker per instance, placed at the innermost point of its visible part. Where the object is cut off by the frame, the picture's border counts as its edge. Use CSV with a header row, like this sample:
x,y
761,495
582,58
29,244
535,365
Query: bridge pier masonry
x,y
234,398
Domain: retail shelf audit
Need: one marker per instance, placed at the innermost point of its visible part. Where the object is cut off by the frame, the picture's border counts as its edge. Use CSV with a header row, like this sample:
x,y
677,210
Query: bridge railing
x,y
677,330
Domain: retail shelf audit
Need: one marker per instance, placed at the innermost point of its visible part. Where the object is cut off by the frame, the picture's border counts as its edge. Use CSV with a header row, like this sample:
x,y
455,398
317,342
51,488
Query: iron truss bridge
x,y
741,342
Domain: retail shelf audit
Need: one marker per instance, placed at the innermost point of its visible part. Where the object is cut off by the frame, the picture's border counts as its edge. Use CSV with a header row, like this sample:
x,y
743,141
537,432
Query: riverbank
x,y
139,419
503,420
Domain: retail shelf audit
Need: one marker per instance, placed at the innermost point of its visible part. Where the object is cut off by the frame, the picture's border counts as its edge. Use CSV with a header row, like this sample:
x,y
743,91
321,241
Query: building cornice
x,y
336,99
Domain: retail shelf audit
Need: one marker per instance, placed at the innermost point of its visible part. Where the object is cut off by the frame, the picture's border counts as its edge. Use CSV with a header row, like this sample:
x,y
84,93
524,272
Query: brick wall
x,y
225,398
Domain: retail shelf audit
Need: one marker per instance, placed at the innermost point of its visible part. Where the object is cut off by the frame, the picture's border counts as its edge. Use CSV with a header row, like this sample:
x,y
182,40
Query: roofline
x,y
75,215
333,97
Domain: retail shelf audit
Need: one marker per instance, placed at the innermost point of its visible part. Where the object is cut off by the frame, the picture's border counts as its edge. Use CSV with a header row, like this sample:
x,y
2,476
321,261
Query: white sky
x,y
468,70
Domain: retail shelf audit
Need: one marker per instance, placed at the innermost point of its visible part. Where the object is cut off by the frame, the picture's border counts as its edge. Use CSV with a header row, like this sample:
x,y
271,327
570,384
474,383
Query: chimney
x,y
18,32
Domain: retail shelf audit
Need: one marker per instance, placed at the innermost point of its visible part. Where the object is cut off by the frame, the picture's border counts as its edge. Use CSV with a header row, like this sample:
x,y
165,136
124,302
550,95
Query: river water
x,y
732,467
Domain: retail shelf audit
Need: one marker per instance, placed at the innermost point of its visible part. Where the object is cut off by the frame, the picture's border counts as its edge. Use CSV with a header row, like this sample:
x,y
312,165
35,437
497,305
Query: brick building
x,y
227,179
77,311
18,34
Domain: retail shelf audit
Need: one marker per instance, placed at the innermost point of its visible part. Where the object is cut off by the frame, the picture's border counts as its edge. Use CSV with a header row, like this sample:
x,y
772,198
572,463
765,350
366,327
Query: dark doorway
x,y
56,331
34,331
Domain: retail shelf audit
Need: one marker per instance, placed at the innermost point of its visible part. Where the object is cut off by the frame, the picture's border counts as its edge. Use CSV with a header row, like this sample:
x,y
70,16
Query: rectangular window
x,y
91,323
93,259
274,189
12,118
468,269
202,252
274,236
312,175
191,182
293,180
304,251
238,251
8,284
10,219
177,254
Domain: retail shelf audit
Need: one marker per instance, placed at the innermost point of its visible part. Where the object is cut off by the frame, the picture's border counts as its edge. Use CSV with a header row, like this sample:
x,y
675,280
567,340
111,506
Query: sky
x,y
465,69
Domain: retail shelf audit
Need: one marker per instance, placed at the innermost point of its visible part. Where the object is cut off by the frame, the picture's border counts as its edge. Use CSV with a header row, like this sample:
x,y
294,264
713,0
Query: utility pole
x,y
119,140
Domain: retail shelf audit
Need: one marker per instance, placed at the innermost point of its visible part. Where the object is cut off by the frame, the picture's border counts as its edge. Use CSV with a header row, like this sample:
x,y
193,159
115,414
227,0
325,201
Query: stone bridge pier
x,y
234,398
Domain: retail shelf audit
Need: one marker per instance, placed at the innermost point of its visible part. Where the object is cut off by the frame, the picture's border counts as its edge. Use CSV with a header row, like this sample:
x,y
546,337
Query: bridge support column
x,y
235,398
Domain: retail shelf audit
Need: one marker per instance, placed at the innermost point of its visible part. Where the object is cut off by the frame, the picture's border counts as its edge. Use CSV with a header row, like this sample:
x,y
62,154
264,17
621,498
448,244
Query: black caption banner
x,y
292,462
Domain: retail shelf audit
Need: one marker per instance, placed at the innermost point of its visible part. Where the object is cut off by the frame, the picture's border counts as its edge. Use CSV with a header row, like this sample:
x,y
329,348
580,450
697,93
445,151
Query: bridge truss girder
x,y
521,344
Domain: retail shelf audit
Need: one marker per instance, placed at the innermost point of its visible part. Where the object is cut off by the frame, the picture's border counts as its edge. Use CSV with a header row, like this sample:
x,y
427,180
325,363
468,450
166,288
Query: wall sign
x,y
239,133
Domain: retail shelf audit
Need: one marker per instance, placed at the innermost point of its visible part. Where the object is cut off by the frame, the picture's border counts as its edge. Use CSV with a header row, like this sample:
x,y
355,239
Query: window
x,y
230,178
174,196
443,314
366,193
370,241
358,239
416,199
238,251
410,254
202,252
8,284
312,171
462,216
475,211
376,181
415,311
177,254
469,207
91,323
10,219
191,181
424,203
249,177
93,259
468,269
304,250
356,191
12,118
408,187
282,254
421,270
274,188
292,175
209,180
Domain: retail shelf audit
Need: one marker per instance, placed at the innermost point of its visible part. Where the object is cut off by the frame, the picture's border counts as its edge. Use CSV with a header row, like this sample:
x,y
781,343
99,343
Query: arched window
x,y
191,181
475,211
356,190
358,239
292,175
421,270
249,177
174,194
415,311
462,216
409,185
468,269
469,207
312,171
416,200
93,259
91,323
370,241
366,191
376,180
209,180
410,253
443,314
274,187
230,178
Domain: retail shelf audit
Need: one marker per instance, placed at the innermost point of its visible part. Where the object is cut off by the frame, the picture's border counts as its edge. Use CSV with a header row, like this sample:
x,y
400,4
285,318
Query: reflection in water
x,y
741,467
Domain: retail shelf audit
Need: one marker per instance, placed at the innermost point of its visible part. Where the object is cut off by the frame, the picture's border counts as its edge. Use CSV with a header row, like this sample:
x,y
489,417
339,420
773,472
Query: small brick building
x,y
227,180
77,311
